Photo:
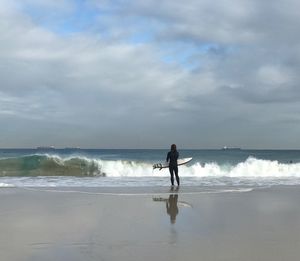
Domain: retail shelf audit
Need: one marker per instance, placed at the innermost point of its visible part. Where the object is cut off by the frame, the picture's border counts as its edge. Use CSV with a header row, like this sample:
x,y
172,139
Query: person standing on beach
x,y
172,158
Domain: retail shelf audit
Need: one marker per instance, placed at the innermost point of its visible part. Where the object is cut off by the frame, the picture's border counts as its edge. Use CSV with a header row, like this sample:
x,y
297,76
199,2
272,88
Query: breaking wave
x,y
49,165
53,165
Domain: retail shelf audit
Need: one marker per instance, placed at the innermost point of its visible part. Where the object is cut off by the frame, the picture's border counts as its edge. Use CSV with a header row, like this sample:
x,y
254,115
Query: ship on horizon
x,y
45,148
231,148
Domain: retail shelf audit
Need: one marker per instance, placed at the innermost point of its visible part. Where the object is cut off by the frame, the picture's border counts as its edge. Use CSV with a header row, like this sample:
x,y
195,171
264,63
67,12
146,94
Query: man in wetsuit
x,y
172,160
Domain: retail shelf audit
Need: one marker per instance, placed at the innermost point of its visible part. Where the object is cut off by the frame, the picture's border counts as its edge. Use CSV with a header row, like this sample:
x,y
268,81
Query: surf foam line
x,y
5,185
250,168
242,190
80,166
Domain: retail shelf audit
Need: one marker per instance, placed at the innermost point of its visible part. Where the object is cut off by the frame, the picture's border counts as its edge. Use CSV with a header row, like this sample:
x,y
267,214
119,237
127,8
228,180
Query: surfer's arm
x,y
168,157
177,155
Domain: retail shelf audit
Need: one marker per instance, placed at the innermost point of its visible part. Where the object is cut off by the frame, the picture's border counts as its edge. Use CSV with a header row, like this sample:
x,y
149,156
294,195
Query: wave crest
x,y
49,165
251,168
53,165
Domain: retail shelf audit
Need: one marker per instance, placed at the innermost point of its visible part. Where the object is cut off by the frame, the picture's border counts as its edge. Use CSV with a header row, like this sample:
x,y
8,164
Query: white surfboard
x,y
166,164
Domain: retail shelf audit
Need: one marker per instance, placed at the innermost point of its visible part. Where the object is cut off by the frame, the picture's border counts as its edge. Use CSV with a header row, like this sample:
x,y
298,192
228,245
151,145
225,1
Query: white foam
x,y
128,169
4,185
252,167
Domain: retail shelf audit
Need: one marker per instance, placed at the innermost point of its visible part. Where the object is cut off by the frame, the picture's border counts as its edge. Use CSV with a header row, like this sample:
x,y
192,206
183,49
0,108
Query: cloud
x,y
142,73
247,44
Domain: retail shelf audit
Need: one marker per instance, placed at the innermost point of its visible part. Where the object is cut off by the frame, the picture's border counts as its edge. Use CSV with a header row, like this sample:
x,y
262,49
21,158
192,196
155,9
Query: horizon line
x,y
87,148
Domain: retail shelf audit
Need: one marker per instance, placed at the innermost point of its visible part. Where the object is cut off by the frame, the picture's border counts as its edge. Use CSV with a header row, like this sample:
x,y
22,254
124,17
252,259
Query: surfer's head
x,y
173,147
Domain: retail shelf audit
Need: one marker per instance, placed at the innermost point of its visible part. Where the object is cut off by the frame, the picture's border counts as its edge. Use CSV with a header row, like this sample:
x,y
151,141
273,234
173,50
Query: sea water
x,y
240,169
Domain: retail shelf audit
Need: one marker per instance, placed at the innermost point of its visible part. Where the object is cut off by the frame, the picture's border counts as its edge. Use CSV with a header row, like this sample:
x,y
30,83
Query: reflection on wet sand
x,y
172,204
172,208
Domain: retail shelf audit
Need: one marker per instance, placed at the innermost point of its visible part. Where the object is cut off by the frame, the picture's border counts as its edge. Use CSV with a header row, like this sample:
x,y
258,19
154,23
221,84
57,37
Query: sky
x,y
146,74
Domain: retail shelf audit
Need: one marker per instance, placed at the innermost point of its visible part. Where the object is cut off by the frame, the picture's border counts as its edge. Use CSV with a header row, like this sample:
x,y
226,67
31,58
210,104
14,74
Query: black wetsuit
x,y
173,168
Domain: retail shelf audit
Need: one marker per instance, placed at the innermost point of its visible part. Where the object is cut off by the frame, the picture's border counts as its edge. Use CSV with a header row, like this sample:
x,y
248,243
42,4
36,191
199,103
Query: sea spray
x,y
49,165
82,166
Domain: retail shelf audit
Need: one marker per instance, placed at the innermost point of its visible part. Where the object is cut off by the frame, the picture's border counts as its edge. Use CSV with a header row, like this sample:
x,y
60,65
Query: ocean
x,y
209,169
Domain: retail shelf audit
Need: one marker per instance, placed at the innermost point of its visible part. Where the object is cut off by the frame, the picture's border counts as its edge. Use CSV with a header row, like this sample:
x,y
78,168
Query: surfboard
x,y
179,203
166,164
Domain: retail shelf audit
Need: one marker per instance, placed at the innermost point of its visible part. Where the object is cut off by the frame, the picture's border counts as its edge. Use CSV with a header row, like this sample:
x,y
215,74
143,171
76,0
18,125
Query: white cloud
x,y
243,61
274,75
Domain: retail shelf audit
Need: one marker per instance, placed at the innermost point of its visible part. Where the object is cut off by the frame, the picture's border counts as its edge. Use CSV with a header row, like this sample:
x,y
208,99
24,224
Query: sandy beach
x,y
149,224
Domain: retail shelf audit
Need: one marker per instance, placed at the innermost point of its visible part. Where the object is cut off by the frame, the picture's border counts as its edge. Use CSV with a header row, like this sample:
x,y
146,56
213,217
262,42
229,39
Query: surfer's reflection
x,y
171,204
172,208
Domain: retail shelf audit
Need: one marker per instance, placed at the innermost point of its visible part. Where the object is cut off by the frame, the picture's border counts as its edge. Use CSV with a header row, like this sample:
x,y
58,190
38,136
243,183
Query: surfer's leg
x,y
172,175
176,175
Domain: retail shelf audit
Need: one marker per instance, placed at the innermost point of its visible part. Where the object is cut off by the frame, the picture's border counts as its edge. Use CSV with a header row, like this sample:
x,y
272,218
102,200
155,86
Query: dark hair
x,y
173,147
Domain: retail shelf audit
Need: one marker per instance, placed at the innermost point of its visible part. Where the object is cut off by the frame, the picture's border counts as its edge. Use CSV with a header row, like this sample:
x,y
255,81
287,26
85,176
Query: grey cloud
x,y
262,96
53,81
110,91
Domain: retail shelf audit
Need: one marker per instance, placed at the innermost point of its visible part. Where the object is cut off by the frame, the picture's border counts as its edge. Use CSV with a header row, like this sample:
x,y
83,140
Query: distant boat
x,y
45,148
230,148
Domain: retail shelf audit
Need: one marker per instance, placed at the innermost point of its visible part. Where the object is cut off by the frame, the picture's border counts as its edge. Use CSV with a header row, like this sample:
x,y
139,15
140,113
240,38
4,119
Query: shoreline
x,y
149,224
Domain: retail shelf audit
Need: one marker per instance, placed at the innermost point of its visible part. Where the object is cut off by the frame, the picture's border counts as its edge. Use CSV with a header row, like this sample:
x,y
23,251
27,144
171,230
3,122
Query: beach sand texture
x,y
146,224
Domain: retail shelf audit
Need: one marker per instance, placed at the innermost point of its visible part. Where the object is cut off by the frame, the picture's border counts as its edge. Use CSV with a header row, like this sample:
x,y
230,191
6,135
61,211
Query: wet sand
x,y
149,224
